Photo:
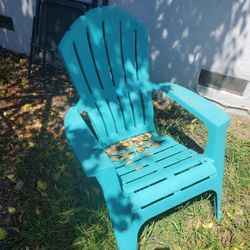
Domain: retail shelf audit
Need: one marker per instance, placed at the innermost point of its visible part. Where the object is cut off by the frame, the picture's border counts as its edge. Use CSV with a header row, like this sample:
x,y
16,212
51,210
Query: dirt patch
x,y
240,125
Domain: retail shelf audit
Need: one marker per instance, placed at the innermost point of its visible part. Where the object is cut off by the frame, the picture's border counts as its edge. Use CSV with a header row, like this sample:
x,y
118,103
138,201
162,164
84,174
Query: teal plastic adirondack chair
x,y
106,55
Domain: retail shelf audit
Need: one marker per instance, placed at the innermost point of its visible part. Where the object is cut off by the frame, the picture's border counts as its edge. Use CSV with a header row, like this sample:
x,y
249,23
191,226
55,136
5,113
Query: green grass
x,y
57,207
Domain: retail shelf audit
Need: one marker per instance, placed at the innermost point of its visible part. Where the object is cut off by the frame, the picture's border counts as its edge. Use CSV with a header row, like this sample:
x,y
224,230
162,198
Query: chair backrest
x,y
106,55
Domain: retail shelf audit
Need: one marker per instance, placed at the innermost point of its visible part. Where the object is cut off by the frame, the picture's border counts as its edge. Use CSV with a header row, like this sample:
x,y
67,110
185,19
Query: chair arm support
x,y
215,119
85,146
204,110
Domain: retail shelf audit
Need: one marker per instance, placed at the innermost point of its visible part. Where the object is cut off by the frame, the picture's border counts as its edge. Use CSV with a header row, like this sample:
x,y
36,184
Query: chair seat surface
x,y
160,171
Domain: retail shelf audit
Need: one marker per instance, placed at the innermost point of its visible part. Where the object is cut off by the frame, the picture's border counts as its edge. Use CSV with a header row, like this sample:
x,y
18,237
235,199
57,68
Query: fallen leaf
x,y
240,212
24,81
11,177
140,150
41,185
208,225
155,144
229,215
139,143
138,168
126,156
114,159
11,210
31,144
38,211
129,145
190,128
198,224
242,244
147,136
111,150
26,106
3,233
124,143
150,154
129,162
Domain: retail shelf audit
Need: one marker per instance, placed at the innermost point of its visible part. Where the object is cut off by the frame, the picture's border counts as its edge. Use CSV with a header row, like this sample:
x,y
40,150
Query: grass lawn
x,y
46,202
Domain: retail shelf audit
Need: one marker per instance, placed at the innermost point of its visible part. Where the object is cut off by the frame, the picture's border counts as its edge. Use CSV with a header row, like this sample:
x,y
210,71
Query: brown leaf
x,y
140,150
155,144
129,162
124,143
147,137
126,156
138,167
111,151
129,145
139,143
114,159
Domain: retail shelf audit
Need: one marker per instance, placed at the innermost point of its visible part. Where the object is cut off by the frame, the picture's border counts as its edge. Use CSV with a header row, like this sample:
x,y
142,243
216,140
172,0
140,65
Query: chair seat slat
x,y
172,185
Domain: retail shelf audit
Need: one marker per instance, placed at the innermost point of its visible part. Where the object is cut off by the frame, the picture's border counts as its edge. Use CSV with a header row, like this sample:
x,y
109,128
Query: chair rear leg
x,y
127,239
217,204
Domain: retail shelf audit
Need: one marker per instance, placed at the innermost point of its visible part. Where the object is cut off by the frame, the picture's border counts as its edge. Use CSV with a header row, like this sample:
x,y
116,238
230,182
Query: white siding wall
x,y
185,35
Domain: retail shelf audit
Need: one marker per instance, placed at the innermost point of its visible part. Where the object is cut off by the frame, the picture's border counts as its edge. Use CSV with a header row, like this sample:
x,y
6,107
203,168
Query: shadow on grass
x,y
46,200
57,206
173,120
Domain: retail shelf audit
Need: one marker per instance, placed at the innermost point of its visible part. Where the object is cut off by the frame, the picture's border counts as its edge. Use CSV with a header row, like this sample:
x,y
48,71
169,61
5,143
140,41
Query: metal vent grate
x,y
219,81
6,22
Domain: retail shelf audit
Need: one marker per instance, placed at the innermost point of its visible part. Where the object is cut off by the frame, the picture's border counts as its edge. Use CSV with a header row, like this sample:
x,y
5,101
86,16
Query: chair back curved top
x,y
106,55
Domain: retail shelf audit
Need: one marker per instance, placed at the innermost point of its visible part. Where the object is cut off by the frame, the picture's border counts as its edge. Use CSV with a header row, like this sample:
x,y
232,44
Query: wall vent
x,y
6,22
219,81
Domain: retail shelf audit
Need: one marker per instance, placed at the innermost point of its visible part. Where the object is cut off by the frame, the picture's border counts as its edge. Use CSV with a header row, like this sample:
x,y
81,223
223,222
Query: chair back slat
x,y
79,33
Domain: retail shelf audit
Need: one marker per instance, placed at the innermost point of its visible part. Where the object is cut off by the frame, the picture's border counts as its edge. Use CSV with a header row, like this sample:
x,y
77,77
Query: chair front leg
x,y
215,149
120,211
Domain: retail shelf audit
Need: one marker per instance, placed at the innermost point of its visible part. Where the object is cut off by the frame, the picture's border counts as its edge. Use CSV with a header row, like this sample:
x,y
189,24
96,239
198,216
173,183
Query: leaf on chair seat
x,y
139,143
155,144
129,162
124,143
114,159
84,114
130,144
138,167
140,149
111,151
147,137
127,156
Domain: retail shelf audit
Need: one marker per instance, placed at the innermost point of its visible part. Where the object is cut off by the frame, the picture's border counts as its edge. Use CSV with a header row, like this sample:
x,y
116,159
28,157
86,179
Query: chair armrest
x,y
204,110
215,119
85,146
